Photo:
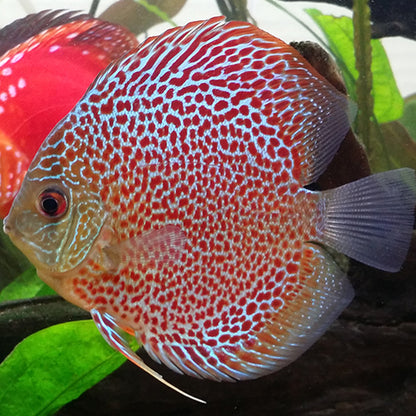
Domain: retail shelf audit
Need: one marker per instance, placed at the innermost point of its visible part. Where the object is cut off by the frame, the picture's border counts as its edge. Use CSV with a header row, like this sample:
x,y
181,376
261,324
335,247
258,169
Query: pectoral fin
x,y
153,248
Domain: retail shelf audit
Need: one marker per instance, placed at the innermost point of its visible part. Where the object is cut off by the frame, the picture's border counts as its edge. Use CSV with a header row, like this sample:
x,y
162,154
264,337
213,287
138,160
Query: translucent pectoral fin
x,y
163,246
113,334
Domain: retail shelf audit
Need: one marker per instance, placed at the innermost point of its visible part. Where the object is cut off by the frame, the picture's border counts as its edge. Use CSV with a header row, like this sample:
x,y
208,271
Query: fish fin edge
x,y
323,292
331,116
113,335
31,25
371,220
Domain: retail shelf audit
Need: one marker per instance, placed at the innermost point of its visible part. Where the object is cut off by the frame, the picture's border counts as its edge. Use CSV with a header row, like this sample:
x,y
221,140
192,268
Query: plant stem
x,y
157,11
362,47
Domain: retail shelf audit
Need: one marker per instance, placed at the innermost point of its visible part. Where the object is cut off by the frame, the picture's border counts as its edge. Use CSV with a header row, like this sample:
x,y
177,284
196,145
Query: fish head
x,y
53,220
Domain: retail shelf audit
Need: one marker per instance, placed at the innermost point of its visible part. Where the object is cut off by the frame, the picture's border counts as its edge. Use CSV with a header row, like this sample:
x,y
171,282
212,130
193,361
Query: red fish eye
x,y
52,203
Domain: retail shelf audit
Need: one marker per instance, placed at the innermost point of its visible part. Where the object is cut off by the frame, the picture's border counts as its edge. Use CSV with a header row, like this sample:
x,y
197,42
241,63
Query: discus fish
x,y
41,79
171,203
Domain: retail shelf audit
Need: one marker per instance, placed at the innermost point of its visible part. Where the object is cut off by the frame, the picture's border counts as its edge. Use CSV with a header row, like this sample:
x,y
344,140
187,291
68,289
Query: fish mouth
x,y
11,231
14,235
47,259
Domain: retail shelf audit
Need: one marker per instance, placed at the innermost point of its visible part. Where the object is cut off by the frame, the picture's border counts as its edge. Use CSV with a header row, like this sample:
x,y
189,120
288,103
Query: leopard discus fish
x,y
171,203
48,61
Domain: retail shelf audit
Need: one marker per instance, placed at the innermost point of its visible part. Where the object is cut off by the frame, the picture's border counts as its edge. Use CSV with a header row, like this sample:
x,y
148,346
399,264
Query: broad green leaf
x,y
53,367
388,102
27,285
409,116
399,146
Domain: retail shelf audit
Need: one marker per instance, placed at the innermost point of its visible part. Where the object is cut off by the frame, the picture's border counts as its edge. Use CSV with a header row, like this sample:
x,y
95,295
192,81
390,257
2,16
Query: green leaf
x,y
398,144
27,285
388,102
409,116
53,367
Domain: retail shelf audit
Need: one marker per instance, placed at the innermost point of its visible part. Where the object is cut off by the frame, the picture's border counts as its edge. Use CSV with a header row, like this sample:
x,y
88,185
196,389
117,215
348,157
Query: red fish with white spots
x,y
42,77
171,203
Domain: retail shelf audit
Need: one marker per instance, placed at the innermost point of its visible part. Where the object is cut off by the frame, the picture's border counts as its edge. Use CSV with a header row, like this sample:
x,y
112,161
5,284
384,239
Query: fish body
x,y
42,78
171,203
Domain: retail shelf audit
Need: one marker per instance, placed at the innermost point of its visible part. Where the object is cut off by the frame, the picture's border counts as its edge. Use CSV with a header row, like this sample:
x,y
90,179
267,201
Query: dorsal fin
x,y
31,25
111,39
287,98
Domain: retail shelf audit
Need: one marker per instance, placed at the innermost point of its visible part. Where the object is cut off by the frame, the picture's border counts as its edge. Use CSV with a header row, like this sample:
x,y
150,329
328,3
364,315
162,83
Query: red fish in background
x,y
48,61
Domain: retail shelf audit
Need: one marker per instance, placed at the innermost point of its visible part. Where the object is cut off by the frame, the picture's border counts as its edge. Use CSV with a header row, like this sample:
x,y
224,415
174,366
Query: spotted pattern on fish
x,y
195,129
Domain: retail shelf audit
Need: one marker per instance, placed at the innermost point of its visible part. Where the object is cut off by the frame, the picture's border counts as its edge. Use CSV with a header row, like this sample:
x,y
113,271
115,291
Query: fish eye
x,y
52,203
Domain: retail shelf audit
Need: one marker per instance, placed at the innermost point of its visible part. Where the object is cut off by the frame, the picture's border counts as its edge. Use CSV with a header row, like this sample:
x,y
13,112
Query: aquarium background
x,y
364,365
401,51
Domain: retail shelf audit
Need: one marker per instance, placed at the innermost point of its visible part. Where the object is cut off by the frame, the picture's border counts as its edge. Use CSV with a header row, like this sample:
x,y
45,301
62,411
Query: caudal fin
x,y
371,220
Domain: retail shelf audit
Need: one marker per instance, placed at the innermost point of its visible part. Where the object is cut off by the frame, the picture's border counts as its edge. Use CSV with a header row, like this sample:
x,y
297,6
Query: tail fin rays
x,y
371,220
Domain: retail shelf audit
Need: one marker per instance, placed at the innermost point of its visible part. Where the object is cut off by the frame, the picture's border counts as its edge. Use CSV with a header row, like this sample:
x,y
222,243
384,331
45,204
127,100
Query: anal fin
x,y
322,293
